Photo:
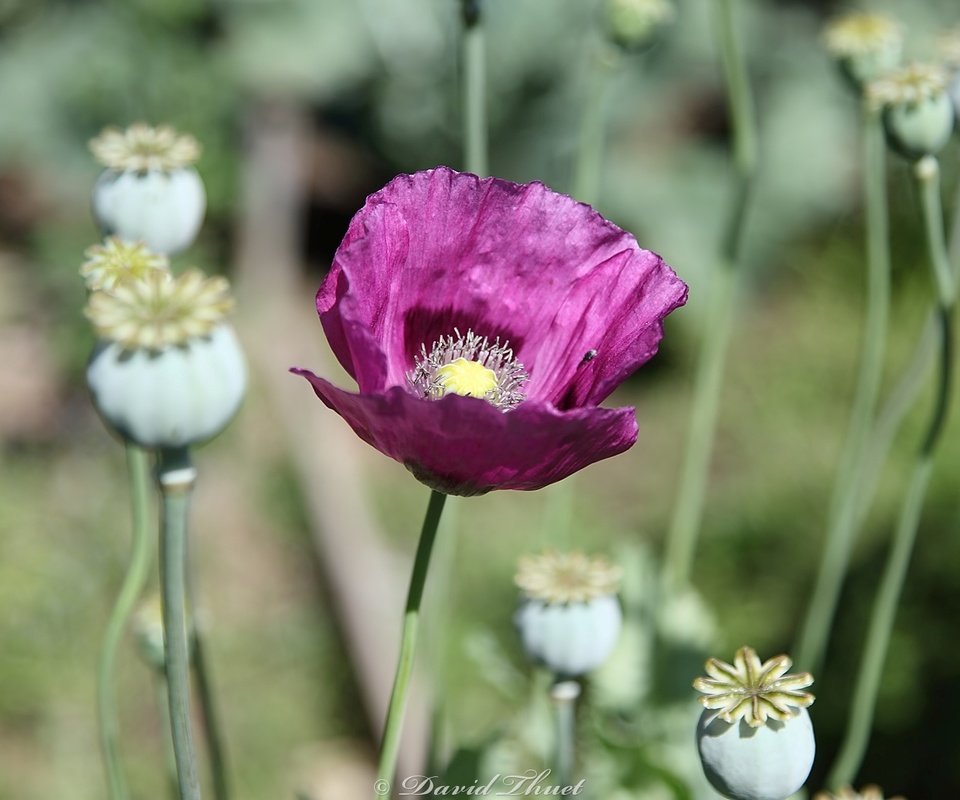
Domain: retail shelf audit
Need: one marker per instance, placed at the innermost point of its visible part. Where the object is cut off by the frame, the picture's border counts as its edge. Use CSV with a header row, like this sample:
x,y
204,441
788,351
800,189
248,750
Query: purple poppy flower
x,y
483,322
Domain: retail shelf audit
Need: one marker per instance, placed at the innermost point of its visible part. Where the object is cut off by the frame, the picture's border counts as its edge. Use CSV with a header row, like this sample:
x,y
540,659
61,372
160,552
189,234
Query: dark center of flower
x,y
469,365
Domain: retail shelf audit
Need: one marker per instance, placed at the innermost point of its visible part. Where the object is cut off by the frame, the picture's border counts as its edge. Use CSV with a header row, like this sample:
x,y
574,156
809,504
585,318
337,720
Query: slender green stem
x,y
844,514
437,623
177,477
927,172
888,596
211,719
408,641
588,167
688,509
163,711
878,637
908,387
954,252
138,468
474,90
563,695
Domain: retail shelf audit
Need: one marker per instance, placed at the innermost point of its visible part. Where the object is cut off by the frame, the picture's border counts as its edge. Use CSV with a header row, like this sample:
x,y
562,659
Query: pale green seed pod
x,y
149,191
174,397
866,46
569,639
766,763
168,371
569,619
918,113
755,737
163,209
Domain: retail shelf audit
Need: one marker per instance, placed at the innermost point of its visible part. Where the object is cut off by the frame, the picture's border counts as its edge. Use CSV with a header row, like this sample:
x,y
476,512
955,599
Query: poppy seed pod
x,y
866,46
570,619
149,191
918,113
755,737
168,371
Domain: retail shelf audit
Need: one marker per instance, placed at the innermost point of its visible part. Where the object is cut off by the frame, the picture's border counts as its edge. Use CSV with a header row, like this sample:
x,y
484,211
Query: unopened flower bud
x,y
865,46
570,618
148,632
634,24
168,371
918,114
755,736
149,191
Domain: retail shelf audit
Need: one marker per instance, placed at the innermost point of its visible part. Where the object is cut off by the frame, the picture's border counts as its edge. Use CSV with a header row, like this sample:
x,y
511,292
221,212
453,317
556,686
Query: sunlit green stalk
x,y
408,641
177,476
474,90
211,719
845,506
588,167
138,468
888,596
688,508
563,696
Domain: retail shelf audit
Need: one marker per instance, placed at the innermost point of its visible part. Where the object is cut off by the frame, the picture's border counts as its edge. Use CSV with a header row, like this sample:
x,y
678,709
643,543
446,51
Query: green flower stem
x,y
211,719
138,468
408,641
177,477
474,90
688,509
845,507
437,623
563,695
888,596
588,167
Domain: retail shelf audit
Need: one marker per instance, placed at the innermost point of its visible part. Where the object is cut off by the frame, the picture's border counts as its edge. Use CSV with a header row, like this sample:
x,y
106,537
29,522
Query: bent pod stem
x,y
888,596
688,508
177,476
907,389
390,747
138,469
844,514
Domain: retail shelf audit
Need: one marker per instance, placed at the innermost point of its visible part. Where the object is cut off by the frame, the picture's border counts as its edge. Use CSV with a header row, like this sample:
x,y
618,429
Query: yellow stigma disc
x,y
467,378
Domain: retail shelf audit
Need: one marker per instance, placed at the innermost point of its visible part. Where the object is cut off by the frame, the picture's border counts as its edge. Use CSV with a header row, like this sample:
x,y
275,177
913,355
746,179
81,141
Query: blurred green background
x,y
377,83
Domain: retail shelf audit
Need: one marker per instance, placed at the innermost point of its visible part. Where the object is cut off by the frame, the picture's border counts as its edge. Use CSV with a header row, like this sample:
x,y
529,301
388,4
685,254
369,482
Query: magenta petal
x,y
465,446
441,249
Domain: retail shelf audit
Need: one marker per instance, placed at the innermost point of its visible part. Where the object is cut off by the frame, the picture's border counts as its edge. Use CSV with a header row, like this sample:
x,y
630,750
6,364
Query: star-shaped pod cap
x,y
753,691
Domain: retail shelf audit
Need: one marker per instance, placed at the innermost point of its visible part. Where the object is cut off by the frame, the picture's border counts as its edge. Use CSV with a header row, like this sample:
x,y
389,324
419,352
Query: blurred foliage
x,y
383,75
